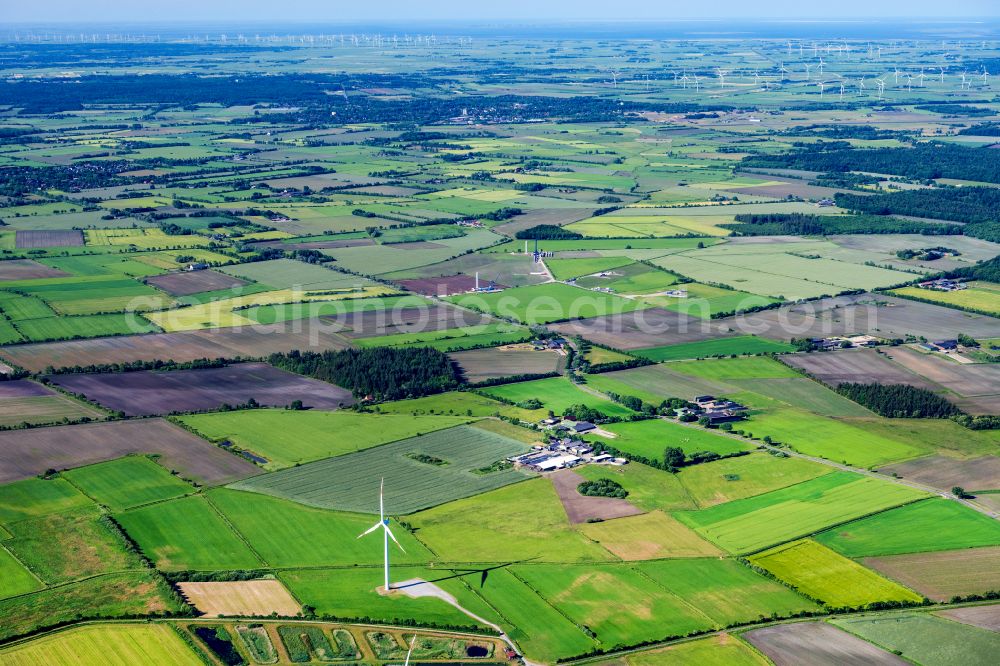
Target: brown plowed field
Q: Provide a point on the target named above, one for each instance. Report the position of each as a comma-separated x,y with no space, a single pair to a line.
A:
436,317
241,598
818,644
944,574
856,365
194,282
446,286
643,328
945,473
850,315
149,393
27,453
26,239
978,384
246,342
26,269
481,364
580,508
987,617
23,388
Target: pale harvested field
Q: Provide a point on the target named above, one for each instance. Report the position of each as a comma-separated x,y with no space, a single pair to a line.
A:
817,644
944,574
643,328
945,473
231,343
579,508
241,598
650,536
987,617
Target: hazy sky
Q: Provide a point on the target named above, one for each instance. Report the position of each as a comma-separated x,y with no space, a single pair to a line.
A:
473,10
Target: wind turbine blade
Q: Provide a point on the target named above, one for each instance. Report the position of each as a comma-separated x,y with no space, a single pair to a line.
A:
392,536
410,651
381,500
370,529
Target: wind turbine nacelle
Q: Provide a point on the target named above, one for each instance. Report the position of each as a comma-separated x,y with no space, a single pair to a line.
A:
385,521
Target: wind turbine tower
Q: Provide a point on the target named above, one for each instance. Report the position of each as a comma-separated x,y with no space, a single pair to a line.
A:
387,534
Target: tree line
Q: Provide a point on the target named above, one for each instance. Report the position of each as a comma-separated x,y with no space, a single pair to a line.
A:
975,206
801,224
378,373
899,400
924,161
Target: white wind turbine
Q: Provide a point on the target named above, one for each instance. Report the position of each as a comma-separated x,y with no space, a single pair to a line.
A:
808,71
410,651
387,534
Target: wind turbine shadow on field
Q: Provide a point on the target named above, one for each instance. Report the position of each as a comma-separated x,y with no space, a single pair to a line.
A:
460,573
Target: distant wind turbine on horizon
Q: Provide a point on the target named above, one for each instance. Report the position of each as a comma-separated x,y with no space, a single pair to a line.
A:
387,534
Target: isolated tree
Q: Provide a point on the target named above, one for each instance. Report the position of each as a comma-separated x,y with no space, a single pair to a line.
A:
673,457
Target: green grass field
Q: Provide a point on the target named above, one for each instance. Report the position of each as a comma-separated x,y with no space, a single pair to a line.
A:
287,438
16,578
546,303
288,534
104,645
187,533
740,345
113,595
535,527
800,392
983,296
840,441
556,394
632,279
648,536
822,574
537,627
721,650
723,589
127,482
62,547
567,269
34,497
734,368
458,403
351,593
754,523
925,639
648,488
935,524
351,482
649,438
745,476
616,602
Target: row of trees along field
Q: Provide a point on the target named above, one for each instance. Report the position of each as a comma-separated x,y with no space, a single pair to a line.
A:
975,206
898,400
381,373
924,161
801,224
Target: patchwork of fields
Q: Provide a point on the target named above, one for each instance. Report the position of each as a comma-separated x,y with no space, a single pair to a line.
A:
243,290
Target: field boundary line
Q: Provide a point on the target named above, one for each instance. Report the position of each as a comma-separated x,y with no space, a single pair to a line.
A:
558,610
681,599
17,559
238,534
